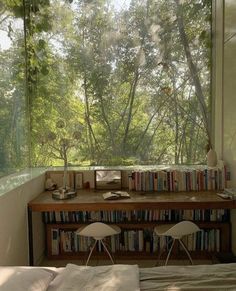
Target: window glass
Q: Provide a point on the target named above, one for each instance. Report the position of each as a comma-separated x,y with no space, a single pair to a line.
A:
13,127
109,82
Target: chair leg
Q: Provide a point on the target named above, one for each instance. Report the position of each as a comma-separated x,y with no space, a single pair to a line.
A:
106,249
110,250
159,256
186,250
161,252
91,252
170,251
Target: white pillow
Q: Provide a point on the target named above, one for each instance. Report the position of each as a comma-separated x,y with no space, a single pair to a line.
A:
25,278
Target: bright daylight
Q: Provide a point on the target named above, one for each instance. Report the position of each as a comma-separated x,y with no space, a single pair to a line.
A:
129,80
117,145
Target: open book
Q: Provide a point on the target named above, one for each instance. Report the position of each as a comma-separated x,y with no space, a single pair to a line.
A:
114,195
228,193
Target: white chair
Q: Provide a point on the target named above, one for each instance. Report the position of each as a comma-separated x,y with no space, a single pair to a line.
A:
177,231
98,231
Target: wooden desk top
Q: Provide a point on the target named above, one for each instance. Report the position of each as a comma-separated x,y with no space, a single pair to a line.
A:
92,200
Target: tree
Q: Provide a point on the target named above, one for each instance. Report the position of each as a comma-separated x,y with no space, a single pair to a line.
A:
137,77
13,130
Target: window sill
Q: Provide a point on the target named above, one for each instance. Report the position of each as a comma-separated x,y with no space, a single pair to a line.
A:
15,180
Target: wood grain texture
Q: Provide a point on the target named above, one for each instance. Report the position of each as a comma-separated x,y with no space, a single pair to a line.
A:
91,200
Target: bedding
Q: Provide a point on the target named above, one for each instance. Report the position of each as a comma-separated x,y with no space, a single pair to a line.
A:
119,277
199,277
102,278
25,278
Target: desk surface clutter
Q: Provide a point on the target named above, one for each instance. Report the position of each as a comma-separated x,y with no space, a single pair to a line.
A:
92,200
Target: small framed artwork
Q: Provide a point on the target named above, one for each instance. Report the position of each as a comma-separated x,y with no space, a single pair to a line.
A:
78,180
107,179
57,178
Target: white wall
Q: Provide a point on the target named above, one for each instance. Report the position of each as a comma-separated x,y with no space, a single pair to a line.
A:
14,221
13,226
229,105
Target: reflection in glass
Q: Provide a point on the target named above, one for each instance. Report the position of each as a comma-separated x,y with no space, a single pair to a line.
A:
108,179
14,154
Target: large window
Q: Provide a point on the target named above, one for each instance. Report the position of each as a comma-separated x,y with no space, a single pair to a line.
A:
119,82
13,110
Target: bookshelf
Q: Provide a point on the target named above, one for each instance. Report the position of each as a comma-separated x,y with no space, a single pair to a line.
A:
136,216
204,179
212,239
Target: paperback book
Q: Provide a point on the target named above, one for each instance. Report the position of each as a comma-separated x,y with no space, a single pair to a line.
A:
116,195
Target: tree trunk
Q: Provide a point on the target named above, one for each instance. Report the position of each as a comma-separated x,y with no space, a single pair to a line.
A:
192,68
106,121
91,134
131,98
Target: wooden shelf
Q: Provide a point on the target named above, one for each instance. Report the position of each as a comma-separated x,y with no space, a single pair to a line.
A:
224,227
197,255
136,225
93,201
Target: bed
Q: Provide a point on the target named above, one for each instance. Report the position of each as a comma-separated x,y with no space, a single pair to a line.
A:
118,278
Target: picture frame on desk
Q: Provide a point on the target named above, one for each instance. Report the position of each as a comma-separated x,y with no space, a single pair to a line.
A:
78,180
107,179
57,178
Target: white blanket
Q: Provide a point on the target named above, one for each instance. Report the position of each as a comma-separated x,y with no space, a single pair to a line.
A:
219,277
101,278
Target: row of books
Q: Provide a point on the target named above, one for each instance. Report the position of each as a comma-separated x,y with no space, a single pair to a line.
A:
178,180
119,216
134,241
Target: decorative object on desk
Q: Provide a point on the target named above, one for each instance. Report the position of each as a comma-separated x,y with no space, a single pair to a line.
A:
224,195
50,185
61,143
115,195
78,180
211,158
62,194
57,177
231,192
107,179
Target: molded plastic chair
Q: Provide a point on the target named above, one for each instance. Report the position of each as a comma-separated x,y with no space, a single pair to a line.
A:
98,231
177,231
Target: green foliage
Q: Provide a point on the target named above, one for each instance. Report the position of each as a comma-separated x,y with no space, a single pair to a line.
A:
122,73
13,129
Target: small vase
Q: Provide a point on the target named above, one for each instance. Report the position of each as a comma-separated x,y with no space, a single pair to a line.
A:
211,158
